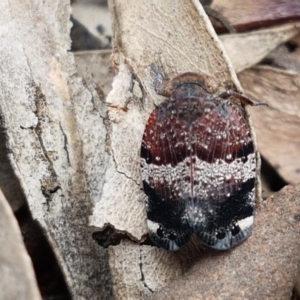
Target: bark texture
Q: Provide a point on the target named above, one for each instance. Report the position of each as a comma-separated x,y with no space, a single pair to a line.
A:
47,113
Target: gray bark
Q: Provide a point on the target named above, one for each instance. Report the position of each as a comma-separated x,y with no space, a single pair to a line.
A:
43,106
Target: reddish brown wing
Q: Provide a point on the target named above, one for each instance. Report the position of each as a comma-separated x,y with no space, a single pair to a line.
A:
198,160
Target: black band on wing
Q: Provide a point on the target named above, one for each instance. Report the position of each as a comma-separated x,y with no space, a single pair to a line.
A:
220,229
166,212
168,238
170,233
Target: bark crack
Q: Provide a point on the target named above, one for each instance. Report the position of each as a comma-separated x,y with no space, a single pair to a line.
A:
40,104
128,177
142,274
120,172
49,183
90,85
65,143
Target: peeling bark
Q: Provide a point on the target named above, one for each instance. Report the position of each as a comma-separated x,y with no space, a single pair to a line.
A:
43,106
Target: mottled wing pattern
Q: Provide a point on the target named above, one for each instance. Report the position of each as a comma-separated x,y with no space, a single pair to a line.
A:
164,209
198,170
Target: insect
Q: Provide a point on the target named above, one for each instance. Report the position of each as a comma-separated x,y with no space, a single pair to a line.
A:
198,165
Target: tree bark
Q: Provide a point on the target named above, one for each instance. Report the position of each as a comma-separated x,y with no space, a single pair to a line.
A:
47,113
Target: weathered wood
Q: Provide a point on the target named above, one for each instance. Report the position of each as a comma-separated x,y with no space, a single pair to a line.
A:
247,49
277,126
47,114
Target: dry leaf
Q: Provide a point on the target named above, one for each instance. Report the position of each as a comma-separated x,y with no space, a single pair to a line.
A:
247,49
254,14
16,272
287,56
276,126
